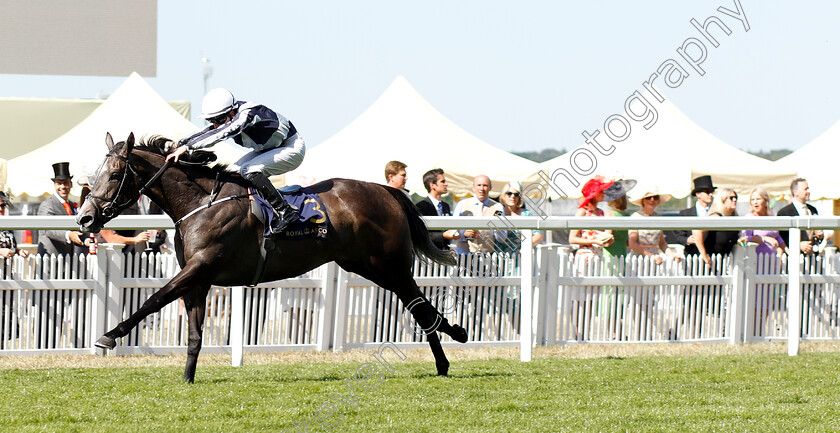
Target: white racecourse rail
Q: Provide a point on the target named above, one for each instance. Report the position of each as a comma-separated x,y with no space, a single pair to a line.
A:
62,304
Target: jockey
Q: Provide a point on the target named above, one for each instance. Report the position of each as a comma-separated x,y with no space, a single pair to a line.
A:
277,147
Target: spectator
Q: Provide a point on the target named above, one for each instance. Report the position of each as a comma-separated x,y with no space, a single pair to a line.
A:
8,244
649,242
769,241
511,199
718,241
478,241
703,191
134,240
435,183
59,241
591,242
800,194
616,196
395,176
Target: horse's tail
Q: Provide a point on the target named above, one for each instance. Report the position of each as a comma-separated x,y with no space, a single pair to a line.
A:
422,244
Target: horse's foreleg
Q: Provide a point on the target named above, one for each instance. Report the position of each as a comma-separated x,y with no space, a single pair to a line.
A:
196,305
174,289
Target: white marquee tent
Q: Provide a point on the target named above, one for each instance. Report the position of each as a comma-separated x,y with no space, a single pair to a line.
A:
816,162
669,154
402,126
133,107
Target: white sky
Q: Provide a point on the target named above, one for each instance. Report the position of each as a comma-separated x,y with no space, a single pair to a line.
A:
521,75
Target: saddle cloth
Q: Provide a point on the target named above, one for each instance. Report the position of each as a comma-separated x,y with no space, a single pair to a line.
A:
313,219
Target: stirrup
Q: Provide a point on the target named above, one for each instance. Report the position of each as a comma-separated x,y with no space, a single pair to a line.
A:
280,222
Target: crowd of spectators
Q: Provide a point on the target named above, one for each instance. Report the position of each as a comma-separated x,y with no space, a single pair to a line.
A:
710,202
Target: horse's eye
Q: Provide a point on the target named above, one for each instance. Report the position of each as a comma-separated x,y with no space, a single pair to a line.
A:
114,177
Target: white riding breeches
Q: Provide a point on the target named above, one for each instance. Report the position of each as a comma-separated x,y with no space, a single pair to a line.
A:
272,162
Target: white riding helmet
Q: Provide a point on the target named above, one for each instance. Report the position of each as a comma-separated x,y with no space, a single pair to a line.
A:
216,102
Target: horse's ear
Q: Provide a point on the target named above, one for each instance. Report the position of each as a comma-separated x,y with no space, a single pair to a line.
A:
129,143
109,141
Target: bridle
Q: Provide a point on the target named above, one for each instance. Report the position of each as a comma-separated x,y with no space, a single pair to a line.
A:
113,209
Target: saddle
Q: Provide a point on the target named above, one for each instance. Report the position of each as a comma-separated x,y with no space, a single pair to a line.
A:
313,219
312,223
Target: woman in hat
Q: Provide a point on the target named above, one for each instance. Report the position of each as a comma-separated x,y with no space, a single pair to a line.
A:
616,198
511,199
718,241
649,242
592,242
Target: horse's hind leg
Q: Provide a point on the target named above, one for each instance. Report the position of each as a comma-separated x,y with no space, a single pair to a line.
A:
429,321
196,304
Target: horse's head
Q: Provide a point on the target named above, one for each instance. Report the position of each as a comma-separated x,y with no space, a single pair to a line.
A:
114,188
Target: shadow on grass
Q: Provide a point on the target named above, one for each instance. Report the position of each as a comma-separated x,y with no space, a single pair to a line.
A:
457,376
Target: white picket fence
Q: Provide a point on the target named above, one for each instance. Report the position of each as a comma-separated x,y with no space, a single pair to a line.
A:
62,304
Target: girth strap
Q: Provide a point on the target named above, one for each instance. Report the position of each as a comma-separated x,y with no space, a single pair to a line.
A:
265,247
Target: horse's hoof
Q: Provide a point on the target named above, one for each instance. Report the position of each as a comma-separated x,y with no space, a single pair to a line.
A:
459,334
443,368
105,342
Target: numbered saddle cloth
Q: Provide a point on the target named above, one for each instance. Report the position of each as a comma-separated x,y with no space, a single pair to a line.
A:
313,219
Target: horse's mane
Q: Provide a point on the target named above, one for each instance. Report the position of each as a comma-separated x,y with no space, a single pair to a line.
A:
163,145
156,143
195,162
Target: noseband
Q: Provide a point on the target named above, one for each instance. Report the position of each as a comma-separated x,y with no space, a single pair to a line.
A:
113,209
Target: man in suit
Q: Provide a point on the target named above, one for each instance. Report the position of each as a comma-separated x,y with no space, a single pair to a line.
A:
704,192
435,183
800,194
59,241
480,204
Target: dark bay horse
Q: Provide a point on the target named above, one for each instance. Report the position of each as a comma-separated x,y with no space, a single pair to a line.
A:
374,231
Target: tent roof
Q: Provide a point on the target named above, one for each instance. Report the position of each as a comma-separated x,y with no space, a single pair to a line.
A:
402,126
33,122
669,154
133,107
814,162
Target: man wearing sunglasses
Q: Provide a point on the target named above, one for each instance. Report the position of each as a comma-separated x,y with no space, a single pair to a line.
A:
277,146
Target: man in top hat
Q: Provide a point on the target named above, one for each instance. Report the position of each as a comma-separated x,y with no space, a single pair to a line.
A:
703,191
59,241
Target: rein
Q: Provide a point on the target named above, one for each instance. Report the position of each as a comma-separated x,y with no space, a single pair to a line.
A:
113,208
208,205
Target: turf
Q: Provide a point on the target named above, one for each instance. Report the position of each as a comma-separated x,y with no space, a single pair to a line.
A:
750,392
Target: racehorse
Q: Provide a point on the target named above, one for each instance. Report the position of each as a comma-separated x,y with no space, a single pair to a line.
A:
374,231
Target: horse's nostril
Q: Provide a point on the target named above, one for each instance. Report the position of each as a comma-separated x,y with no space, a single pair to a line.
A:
85,220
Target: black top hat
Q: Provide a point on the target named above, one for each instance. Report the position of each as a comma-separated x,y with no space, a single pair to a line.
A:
703,183
618,189
62,171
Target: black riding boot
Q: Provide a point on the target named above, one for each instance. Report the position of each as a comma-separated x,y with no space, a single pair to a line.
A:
285,213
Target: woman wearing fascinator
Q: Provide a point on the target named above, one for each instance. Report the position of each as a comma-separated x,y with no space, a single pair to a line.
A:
616,198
